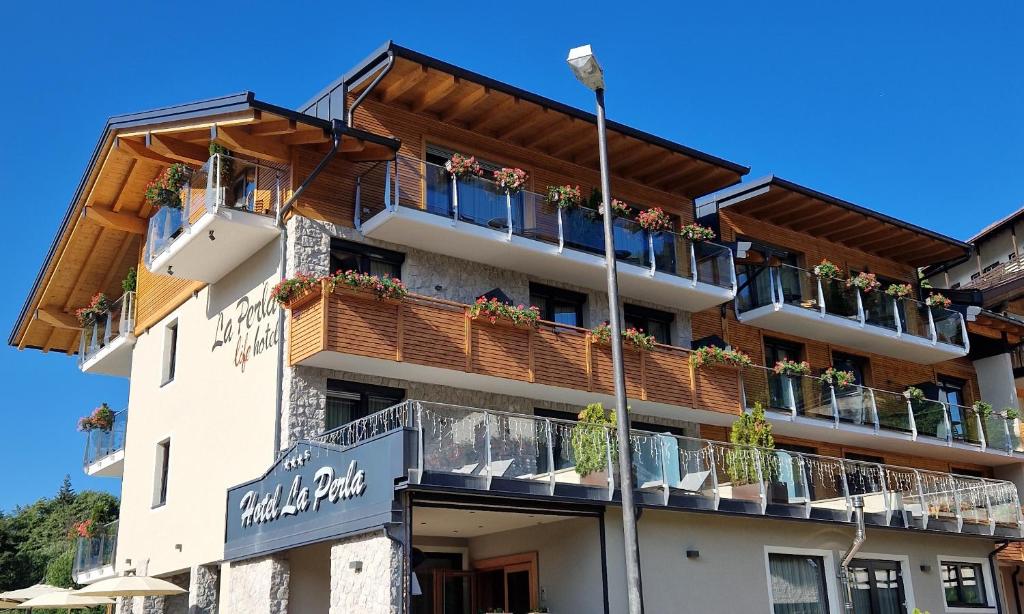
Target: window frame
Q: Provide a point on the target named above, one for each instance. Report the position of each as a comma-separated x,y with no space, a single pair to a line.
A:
169,359
985,578
340,387
554,293
366,254
161,473
906,577
649,314
833,605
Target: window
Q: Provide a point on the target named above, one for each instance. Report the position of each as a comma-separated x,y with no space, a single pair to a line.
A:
479,202
351,256
163,463
170,361
798,584
964,584
651,321
877,587
849,362
244,189
784,394
990,267
951,392
348,401
558,305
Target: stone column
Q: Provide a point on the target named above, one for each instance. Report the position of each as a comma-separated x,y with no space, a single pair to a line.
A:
259,585
124,605
366,575
204,589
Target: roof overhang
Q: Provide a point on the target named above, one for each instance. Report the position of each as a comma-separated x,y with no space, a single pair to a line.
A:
995,325
468,100
788,205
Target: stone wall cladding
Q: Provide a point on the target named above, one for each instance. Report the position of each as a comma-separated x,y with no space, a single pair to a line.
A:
204,589
259,585
376,589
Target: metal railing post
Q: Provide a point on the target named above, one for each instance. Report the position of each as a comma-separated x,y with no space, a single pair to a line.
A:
804,477
931,325
956,504
693,262
398,187
911,421
487,450
846,490
924,504
551,457
1006,435
732,272
947,422
357,216
714,476
790,395
982,440
988,510
883,475
650,255
387,187
835,405
561,232
897,318
860,308
419,436
608,460
874,409
760,478
821,298
455,201
508,213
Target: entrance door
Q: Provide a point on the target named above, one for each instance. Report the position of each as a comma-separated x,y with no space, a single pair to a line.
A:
507,583
454,592
877,587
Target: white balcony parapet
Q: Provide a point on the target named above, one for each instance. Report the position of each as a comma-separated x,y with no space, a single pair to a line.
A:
104,450
795,301
470,218
230,210
105,346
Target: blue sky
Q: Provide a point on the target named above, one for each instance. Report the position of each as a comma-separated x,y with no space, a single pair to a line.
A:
910,108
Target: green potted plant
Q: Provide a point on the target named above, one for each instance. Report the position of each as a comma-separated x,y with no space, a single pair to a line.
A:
94,312
1011,413
287,291
751,436
130,281
226,167
697,233
638,339
165,189
589,439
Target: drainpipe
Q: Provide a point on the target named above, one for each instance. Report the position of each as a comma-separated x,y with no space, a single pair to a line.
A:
858,541
404,586
350,113
1016,593
995,577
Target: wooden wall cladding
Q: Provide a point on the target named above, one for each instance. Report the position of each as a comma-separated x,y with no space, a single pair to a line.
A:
158,295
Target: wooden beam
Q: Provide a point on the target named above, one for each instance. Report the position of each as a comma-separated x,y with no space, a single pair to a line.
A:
668,166
115,270
125,222
54,316
683,176
433,94
139,151
569,150
495,114
351,144
543,119
650,168
464,104
273,127
306,137
175,149
402,84
118,200
240,141
553,133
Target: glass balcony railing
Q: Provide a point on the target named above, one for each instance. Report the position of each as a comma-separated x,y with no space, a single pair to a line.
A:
118,321
96,552
478,201
100,444
485,449
223,182
787,285
808,396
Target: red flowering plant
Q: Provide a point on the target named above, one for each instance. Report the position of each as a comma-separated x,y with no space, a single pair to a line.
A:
654,220
865,282
900,291
621,208
937,300
287,290
511,180
827,270
837,378
602,333
101,419
84,528
460,166
98,307
696,232
165,189
712,355
565,196
493,310
384,287
791,367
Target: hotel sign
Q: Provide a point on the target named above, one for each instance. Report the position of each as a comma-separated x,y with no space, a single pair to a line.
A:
313,493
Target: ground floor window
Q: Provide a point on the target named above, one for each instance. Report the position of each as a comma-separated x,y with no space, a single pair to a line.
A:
877,587
798,584
964,584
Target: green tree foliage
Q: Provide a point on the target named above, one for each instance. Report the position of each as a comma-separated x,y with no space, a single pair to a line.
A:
36,540
752,435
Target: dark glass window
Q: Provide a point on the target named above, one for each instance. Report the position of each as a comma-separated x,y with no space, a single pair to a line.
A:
780,388
651,321
348,401
877,587
558,305
351,256
951,392
964,584
856,364
861,479
163,459
798,584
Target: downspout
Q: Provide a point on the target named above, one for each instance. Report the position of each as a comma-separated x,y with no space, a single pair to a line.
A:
405,585
351,112
1016,593
995,577
858,541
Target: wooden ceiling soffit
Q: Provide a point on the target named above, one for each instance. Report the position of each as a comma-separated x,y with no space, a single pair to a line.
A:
125,222
237,139
435,93
495,114
175,149
274,127
464,103
194,128
139,151
402,84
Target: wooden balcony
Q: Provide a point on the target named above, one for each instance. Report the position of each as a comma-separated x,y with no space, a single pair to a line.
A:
436,341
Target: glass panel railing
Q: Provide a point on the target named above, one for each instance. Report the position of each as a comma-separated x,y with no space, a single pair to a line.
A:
581,453
893,413
879,310
797,287
826,484
1015,440
914,316
582,230
964,424
997,432
454,440
785,478
96,552
972,495
738,472
689,466
117,321
939,498
100,443
948,328
649,455
930,418
1004,503
166,225
868,481
840,299
539,218
518,447
714,263
854,404
904,491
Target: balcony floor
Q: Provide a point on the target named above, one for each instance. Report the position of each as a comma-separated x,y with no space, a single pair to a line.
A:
468,241
95,574
109,466
830,328
236,235
115,358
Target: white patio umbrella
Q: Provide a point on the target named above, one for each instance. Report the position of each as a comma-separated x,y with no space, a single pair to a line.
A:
64,600
35,590
131,586
7,604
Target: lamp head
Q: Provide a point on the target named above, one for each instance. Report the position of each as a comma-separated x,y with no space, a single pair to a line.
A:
584,65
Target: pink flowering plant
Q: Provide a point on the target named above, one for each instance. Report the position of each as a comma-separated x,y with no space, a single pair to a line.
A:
712,355
460,166
791,367
565,196
101,419
900,290
287,290
165,189
98,307
937,300
654,220
602,334
837,378
510,180
865,282
696,232
384,287
827,270
621,208
493,310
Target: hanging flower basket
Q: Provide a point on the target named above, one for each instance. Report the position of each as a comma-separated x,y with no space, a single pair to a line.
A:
289,290
792,367
696,232
101,419
865,282
460,166
900,291
636,338
937,300
92,313
165,190
838,379
510,180
654,220
565,196
712,355
827,270
384,288
495,311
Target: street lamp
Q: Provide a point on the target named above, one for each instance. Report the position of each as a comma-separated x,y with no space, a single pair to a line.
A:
584,65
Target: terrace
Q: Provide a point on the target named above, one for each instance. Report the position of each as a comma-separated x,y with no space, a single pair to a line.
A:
94,556
105,346
104,449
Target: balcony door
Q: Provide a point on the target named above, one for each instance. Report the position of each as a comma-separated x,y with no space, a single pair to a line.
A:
853,404
877,587
507,583
785,393
951,392
480,202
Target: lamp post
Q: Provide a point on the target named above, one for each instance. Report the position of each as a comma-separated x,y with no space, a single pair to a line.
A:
584,65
